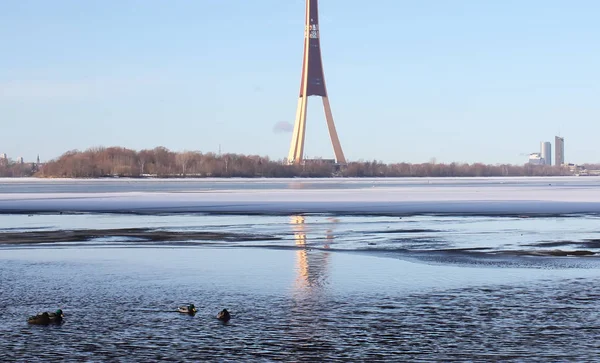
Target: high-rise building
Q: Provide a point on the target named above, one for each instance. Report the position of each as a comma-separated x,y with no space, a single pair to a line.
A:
312,84
536,159
546,152
559,150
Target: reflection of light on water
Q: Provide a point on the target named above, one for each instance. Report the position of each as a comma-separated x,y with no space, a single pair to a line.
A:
299,230
301,258
311,264
329,233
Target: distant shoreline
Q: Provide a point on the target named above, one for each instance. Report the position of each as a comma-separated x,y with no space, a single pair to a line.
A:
191,177
160,162
179,177
213,178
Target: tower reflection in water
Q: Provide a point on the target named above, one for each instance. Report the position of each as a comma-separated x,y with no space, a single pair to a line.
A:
310,300
312,258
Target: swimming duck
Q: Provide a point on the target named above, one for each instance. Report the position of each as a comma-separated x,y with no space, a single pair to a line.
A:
46,318
223,315
56,316
190,309
39,319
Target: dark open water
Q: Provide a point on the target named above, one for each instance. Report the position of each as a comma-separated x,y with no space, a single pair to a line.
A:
294,306
324,288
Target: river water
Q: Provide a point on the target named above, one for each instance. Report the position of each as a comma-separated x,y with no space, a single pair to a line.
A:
302,287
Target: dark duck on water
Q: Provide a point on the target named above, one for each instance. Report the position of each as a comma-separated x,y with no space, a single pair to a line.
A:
223,315
190,309
46,318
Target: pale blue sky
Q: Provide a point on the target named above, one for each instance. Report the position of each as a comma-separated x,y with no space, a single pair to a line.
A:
462,80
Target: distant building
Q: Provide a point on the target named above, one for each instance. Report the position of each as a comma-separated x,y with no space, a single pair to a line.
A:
559,150
20,160
536,159
319,161
3,159
546,152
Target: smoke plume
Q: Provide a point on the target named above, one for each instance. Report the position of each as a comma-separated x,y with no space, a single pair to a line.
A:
283,127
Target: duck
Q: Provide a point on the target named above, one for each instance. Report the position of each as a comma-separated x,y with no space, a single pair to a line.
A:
223,315
190,309
46,318
39,319
56,316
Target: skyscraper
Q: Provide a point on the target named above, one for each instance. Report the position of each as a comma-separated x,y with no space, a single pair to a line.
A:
312,84
536,159
546,152
559,150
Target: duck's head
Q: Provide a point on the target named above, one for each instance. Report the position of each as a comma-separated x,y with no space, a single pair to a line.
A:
59,312
192,308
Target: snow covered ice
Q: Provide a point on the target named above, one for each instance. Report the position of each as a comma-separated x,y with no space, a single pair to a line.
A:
471,196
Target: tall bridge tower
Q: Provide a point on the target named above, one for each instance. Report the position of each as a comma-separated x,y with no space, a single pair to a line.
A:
312,84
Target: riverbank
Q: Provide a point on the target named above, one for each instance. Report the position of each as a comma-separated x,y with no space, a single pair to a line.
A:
162,162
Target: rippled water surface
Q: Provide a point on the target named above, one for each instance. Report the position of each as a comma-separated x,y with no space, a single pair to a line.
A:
300,287
296,305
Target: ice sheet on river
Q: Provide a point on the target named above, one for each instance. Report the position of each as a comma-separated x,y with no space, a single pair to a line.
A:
397,200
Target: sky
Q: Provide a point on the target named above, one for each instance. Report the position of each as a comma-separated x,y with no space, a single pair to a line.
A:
408,81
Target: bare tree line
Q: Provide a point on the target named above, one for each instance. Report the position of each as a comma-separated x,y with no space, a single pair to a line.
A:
161,162
16,170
